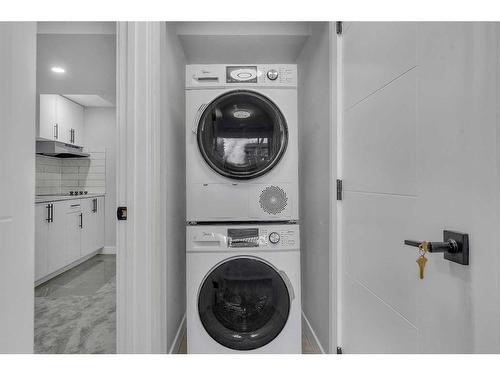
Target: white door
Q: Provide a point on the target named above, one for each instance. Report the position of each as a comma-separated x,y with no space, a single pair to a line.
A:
17,185
420,155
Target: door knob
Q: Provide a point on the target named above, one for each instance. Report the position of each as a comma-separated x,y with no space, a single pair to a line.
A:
455,246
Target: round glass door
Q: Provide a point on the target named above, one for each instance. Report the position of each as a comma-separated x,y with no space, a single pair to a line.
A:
243,304
242,134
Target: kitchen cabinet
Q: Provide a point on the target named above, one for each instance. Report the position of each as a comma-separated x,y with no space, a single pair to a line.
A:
42,226
47,123
56,244
60,119
48,250
93,225
65,232
73,233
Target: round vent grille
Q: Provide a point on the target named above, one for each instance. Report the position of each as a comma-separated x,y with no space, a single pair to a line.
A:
273,200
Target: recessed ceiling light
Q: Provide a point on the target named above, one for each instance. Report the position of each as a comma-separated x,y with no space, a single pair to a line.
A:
58,69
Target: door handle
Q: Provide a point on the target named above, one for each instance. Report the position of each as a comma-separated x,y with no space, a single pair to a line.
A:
56,131
81,220
48,214
435,247
455,246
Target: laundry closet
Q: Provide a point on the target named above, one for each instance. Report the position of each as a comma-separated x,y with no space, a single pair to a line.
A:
271,207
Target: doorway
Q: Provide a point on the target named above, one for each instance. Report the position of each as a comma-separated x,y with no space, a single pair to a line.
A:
75,191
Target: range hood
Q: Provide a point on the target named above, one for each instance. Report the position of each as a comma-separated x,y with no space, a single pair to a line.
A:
59,150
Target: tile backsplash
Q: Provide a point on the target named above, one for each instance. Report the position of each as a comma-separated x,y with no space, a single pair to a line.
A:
48,175
60,176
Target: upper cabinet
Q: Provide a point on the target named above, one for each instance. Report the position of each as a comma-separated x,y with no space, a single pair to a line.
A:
60,120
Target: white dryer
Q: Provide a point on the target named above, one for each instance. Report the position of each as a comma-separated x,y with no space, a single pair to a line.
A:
243,289
241,143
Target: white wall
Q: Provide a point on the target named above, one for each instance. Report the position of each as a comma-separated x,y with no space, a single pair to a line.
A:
315,172
17,185
173,180
99,135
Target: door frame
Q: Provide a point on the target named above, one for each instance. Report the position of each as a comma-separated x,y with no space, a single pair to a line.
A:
336,208
141,309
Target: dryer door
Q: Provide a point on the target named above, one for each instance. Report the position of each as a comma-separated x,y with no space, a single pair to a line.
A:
242,134
244,303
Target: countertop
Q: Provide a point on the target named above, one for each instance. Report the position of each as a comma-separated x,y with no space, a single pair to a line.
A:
55,198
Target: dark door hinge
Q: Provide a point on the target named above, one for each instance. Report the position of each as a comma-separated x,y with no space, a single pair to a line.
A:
338,27
339,190
339,350
121,213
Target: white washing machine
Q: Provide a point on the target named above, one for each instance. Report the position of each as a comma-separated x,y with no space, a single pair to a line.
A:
241,143
243,289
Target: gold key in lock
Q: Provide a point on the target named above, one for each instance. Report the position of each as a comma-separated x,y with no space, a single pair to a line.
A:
421,260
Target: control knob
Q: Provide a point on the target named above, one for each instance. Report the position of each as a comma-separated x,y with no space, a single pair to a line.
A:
272,74
274,238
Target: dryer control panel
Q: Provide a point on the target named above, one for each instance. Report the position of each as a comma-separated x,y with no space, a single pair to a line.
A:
242,75
240,237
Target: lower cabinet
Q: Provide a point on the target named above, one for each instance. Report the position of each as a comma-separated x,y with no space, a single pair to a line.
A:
93,225
42,227
66,231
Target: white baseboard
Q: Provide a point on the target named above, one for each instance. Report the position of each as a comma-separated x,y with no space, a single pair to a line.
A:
311,335
66,268
108,250
181,332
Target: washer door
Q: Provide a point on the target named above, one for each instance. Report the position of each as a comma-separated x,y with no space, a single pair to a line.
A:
242,134
243,303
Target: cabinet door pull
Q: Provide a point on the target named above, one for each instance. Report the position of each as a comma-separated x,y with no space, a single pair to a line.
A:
48,214
81,220
56,131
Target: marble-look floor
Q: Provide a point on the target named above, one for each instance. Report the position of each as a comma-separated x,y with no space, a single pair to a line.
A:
75,312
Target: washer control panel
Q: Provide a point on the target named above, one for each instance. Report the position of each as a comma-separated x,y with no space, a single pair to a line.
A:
236,75
263,237
242,237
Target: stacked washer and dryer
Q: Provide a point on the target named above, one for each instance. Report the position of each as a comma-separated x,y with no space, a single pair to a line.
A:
243,243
